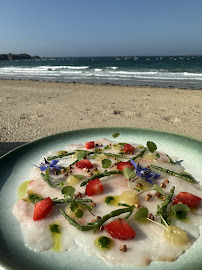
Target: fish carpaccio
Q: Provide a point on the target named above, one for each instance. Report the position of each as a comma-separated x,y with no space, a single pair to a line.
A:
127,203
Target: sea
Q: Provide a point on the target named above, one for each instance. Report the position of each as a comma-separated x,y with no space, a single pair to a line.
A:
155,71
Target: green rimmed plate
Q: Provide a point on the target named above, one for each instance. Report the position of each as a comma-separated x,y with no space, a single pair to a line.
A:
16,165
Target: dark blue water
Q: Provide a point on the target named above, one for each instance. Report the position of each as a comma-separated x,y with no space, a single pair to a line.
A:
166,71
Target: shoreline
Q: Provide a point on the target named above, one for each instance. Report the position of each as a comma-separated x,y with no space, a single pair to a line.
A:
110,82
33,109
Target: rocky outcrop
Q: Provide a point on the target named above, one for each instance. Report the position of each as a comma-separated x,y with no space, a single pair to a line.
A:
21,56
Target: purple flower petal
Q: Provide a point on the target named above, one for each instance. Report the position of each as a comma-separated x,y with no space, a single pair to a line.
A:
145,173
54,162
52,165
134,164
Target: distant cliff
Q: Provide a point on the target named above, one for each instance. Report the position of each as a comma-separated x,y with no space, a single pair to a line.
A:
21,56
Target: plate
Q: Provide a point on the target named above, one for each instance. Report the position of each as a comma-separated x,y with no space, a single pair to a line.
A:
16,165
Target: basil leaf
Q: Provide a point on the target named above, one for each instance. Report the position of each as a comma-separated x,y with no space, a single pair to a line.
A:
180,210
151,146
68,191
158,189
129,174
106,163
115,135
141,214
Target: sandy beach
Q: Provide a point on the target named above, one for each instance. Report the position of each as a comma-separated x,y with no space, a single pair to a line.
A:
31,109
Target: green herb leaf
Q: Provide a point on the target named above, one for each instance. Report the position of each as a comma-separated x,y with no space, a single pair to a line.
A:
157,155
151,146
79,213
106,163
104,242
74,206
54,228
162,210
158,189
68,191
109,199
180,210
115,135
80,154
141,214
129,174
88,207
106,147
34,198
94,156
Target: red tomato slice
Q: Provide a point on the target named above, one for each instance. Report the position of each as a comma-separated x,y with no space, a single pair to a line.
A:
94,187
122,165
187,198
42,208
89,145
84,163
120,229
128,148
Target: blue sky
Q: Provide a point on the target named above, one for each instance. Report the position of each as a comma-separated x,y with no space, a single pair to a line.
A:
101,28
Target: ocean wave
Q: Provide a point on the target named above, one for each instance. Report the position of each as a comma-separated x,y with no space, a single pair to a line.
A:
111,67
85,72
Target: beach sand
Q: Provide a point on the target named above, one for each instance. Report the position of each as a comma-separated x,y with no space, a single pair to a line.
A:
31,109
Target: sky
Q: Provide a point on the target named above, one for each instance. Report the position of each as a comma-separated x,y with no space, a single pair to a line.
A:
60,28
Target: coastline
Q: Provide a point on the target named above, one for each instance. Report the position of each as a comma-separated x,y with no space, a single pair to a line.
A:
32,109
136,83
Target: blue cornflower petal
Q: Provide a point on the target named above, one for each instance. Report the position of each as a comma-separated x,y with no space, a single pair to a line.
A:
42,167
52,165
54,162
145,173
134,164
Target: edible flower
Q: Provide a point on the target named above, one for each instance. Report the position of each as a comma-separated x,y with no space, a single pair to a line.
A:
145,173
51,165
